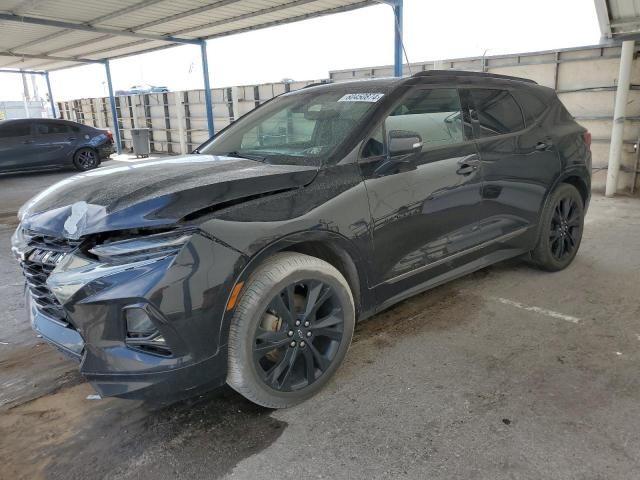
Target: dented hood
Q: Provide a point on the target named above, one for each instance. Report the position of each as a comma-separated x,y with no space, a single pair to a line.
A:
153,193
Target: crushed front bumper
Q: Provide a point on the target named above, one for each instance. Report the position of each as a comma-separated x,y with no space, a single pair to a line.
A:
187,294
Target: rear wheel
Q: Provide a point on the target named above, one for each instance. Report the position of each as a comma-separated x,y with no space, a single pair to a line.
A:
86,159
290,331
561,229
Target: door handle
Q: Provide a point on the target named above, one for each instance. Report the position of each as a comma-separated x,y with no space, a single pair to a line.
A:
468,165
71,139
27,141
543,146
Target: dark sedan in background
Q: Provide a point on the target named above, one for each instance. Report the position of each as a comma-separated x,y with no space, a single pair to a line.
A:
48,144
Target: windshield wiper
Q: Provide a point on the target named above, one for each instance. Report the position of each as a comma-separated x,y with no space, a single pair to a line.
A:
248,156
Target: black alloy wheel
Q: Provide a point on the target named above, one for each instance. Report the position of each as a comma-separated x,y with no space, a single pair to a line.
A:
290,331
566,226
298,336
561,226
85,159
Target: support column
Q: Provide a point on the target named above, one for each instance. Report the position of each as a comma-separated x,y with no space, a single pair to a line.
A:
398,44
617,131
207,87
53,104
180,114
114,111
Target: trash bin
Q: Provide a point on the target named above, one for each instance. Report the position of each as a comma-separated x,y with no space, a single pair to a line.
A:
141,143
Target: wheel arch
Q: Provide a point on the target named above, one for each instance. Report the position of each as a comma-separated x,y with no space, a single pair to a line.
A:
331,247
572,178
575,177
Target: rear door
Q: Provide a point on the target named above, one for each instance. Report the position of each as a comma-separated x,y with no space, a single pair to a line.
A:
519,162
425,205
54,142
17,148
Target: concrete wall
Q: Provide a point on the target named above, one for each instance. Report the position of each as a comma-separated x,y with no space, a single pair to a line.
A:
585,79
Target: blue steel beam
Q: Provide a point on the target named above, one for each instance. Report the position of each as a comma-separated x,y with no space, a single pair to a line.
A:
398,47
90,28
30,72
53,104
114,111
51,58
207,87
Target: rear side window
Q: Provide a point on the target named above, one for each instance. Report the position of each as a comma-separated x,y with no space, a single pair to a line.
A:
16,130
51,128
434,114
497,112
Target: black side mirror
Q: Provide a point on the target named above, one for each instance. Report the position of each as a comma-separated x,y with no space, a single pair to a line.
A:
404,142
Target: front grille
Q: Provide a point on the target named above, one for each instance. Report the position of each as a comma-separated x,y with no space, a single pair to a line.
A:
45,252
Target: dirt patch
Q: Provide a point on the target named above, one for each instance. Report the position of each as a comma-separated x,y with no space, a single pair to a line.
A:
64,435
31,371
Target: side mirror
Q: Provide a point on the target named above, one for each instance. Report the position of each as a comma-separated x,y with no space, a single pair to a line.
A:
404,142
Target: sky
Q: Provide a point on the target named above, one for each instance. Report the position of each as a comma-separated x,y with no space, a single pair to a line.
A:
433,30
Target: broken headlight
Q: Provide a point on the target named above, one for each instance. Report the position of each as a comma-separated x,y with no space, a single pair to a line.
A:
141,248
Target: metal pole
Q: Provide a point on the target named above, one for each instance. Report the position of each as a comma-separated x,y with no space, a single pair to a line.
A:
617,131
114,111
53,104
207,87
398,47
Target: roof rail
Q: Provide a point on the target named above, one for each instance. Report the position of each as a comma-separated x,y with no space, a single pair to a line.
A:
467,73
317,84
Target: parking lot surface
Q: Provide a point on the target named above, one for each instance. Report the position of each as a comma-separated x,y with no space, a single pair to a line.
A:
509,373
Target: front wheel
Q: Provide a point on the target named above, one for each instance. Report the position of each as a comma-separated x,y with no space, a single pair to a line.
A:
86,159
561,228
290,331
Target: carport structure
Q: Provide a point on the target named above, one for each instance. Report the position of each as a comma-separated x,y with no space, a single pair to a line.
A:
40,36
619,20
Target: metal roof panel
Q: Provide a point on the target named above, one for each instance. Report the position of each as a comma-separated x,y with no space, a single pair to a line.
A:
184,18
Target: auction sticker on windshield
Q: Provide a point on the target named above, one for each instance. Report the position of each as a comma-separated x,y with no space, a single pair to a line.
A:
362,97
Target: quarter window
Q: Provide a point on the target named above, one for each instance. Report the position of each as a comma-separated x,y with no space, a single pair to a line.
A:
434,114
497,112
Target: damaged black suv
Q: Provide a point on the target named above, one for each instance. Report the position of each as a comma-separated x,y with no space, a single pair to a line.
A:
249,261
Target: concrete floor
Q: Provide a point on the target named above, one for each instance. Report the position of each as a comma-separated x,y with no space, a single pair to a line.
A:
509,373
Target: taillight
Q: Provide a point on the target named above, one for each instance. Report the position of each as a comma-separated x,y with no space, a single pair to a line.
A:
587,139
109,135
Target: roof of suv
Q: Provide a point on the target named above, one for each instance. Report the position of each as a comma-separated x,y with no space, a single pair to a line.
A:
431,76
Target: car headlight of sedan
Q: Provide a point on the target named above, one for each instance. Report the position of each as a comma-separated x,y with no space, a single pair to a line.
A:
76,270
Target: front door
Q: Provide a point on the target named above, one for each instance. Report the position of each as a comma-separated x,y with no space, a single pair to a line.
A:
425,205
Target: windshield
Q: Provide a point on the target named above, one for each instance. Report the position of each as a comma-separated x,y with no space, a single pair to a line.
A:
302,128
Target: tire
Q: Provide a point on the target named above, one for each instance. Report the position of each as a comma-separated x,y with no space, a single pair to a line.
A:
86,159
561,227
278,360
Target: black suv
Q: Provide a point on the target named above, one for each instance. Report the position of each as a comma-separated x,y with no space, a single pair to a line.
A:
250,261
